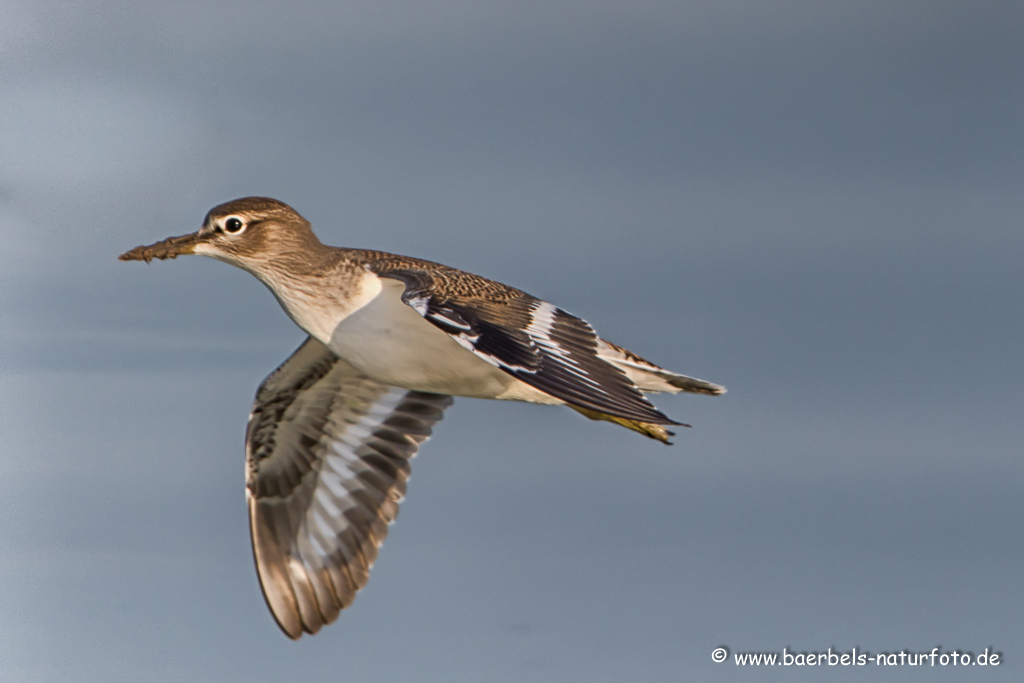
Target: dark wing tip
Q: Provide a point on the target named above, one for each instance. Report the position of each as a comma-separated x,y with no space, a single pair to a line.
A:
573,371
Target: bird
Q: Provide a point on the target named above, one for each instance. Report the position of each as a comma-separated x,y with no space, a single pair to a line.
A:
391,339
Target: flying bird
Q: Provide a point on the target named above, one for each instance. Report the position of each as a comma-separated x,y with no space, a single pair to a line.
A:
391,340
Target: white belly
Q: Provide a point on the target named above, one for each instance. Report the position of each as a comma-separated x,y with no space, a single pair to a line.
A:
390,342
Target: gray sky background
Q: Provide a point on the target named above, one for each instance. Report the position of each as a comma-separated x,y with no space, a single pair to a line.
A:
817,204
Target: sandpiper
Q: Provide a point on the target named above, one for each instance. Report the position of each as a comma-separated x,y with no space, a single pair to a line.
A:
391,340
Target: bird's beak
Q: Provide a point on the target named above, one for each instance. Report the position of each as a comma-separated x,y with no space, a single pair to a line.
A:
172,247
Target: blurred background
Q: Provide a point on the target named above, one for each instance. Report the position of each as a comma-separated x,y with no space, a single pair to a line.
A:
817,204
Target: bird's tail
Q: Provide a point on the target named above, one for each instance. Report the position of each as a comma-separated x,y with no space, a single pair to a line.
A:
649,377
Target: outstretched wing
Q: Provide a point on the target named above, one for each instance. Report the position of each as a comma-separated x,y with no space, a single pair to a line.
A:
532,340
327,458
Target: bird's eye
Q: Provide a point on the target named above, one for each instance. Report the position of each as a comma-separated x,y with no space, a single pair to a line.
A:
233,225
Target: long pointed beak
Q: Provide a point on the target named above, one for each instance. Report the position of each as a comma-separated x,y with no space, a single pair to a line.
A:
172,247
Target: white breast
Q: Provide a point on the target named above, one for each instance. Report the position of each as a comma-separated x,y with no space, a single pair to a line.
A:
390,342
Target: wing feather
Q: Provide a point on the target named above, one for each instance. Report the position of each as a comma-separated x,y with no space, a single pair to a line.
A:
327,459
530,339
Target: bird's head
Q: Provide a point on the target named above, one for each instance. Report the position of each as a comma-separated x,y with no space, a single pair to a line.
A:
247,233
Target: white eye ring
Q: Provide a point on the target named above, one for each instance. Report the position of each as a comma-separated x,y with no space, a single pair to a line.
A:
233,225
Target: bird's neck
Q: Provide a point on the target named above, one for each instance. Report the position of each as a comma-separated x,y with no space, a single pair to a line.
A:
317,294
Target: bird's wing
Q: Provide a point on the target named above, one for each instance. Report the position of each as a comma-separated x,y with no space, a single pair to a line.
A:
327,458
532,340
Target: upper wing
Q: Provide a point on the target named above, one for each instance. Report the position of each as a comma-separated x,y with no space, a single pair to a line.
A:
327,458
532,340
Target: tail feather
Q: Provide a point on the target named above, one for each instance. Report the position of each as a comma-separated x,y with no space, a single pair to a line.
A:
649,377
692,384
